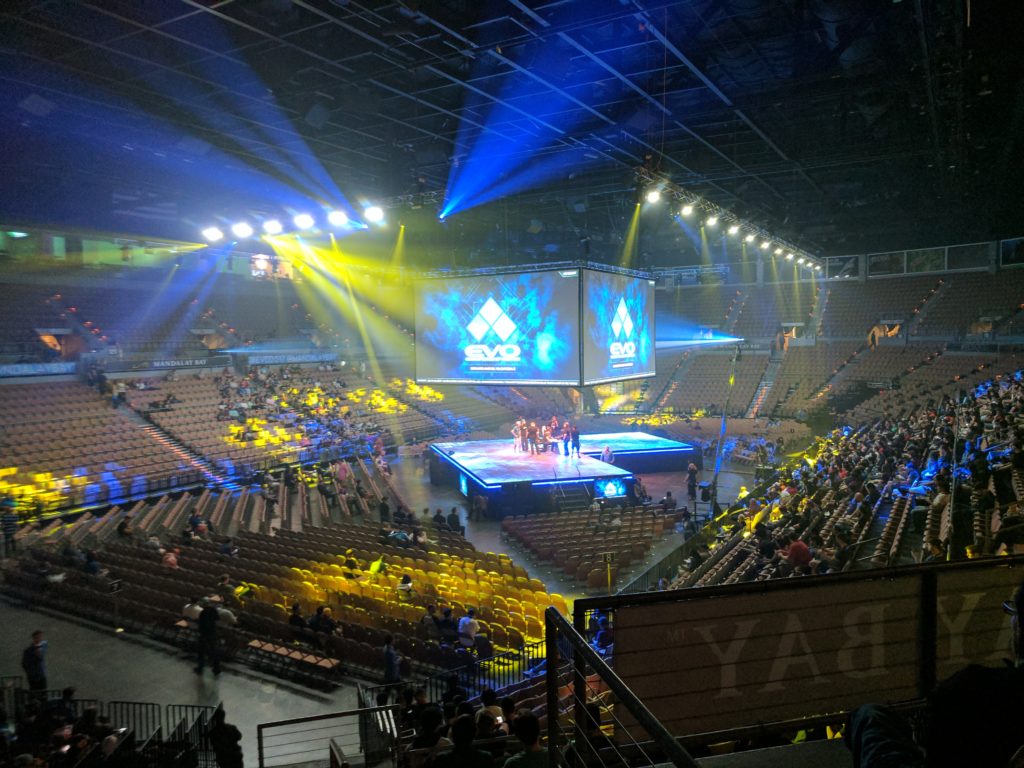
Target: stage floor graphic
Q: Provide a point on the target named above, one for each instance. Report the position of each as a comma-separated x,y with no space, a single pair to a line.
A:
492,463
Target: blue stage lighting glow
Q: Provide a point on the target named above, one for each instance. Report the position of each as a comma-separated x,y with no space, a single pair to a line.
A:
337,218
212,234
303,221
374,214
241,230
272,227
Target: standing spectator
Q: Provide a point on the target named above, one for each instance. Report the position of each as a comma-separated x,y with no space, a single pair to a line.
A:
208,619
574,439
225,740
9,522
392,663
691,483
528,731
33,661
385,511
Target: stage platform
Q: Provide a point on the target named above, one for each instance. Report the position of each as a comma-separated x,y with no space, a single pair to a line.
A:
493,468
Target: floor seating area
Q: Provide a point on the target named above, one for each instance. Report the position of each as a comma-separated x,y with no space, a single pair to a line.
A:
556,539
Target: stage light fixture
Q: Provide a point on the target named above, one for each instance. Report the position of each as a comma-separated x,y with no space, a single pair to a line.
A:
818,267
748,239
777,251
374,214
711,221
304,221
733,229
241,230
272,227
800,260
337,218
653,196
212,234
765,245
789,255
687,209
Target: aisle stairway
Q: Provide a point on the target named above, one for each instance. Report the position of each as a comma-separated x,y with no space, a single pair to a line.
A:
764,387
210,473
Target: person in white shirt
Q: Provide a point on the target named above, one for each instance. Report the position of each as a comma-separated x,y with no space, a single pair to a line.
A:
468,629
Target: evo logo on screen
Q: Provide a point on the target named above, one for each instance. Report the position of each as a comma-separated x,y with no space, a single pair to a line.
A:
491,321
622,326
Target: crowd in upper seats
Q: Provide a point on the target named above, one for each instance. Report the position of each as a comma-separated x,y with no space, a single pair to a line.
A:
807,521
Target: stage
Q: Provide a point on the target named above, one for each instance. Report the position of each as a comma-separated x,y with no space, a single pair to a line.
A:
494,469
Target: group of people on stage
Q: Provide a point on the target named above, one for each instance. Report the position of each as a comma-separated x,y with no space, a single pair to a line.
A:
528,437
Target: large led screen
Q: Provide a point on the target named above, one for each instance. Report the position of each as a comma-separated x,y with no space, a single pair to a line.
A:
618,327
499,329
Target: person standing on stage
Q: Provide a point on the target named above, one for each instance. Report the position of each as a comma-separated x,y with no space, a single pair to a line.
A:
566,436
515,437
524,438
531,436
574,437
545,439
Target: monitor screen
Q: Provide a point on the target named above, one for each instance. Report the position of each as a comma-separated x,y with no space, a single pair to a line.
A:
517,328
609,488
618,327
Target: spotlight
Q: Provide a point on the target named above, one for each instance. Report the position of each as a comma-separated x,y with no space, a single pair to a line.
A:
212,234
818,267
789,256
272,227
17,235
778,251
653,196
337,218
374,214
733,229
304,221
711,221
764,245
800,260
748,239
687,210
241,230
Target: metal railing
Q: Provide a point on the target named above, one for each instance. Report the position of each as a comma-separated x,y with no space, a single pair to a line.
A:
660,746
495,672
359,734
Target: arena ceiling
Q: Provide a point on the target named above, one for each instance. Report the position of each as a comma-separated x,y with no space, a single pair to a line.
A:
842,124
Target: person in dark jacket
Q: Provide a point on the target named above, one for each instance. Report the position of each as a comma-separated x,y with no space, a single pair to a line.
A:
208,638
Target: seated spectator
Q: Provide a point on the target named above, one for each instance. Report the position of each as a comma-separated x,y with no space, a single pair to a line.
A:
489,703
428,742
508,714
192,610
667,502
464,754
605,637
405,590
468,629
797,554
936,552
454,522
447,627
295,619
124,528
528,732
170,558
92,565
439,519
